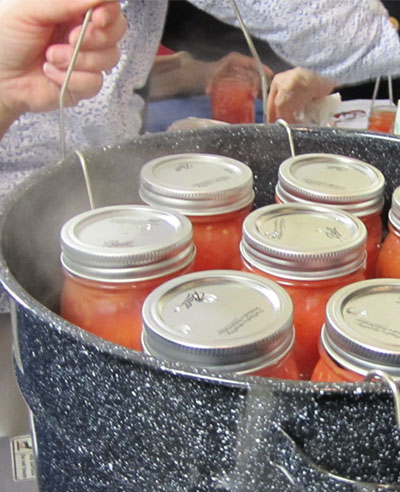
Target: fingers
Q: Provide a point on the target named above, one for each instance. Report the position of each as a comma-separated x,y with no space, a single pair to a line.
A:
87,61
103,31
82,85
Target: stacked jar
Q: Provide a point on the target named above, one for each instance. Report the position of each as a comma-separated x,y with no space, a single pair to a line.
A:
361,332
389,256
223,321
214,192
311,251
112,258
343,182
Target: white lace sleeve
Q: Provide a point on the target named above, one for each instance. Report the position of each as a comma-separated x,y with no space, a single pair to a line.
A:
345,40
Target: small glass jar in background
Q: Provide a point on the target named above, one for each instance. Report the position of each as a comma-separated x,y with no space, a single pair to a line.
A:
343,182
311,251
361,332
214,192
388,264
224,321
381,118
233,94
112,258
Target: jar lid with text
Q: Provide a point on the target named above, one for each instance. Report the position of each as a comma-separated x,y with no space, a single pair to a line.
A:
348,183
126,243
223,320
361,330
197,184
303,241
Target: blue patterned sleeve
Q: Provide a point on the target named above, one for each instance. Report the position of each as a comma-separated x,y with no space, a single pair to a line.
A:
345,40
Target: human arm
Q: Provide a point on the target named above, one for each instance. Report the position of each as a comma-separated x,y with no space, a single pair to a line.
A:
292,90
37,41
344,40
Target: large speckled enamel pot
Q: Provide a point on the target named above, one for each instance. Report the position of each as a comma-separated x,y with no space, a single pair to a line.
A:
109,419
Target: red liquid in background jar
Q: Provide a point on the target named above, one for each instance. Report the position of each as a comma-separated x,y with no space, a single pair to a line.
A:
217,239
113,258
328,371
382,119
233,100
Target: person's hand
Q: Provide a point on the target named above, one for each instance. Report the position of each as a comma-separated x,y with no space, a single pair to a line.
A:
236,62
37,41
292,90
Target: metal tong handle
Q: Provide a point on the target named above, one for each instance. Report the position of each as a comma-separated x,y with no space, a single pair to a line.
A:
378,374
264,81
67,78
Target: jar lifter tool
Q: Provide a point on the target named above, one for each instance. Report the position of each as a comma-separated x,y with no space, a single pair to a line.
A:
264,81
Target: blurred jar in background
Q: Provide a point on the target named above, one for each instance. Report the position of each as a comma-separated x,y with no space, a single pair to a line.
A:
311,251
233,93
112,258
342,182
388,264
215,192
224,321
381,119
361,332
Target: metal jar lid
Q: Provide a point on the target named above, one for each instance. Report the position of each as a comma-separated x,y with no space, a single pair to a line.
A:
394,212
126,243
223,320
197,184
351,184
361,330
303,241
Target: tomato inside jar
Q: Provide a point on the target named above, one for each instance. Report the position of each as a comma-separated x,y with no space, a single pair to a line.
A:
223,321
341,182
113,257
388,264
311,251
360,333
233,99
215,192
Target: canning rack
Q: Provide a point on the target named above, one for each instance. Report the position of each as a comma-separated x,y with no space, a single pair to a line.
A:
372,375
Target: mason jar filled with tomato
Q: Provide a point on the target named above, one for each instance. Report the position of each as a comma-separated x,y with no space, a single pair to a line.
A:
388,264
311,251
112,258
361,332
224,321
343,182
215,192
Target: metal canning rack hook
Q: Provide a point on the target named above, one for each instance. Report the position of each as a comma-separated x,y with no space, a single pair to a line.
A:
290,135
67,78
264,81
382,375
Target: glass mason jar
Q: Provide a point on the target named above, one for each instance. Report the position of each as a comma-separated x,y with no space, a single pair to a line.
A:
233,95
311,251
361,332
112,258
214,192
388,264
343,182
224,321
